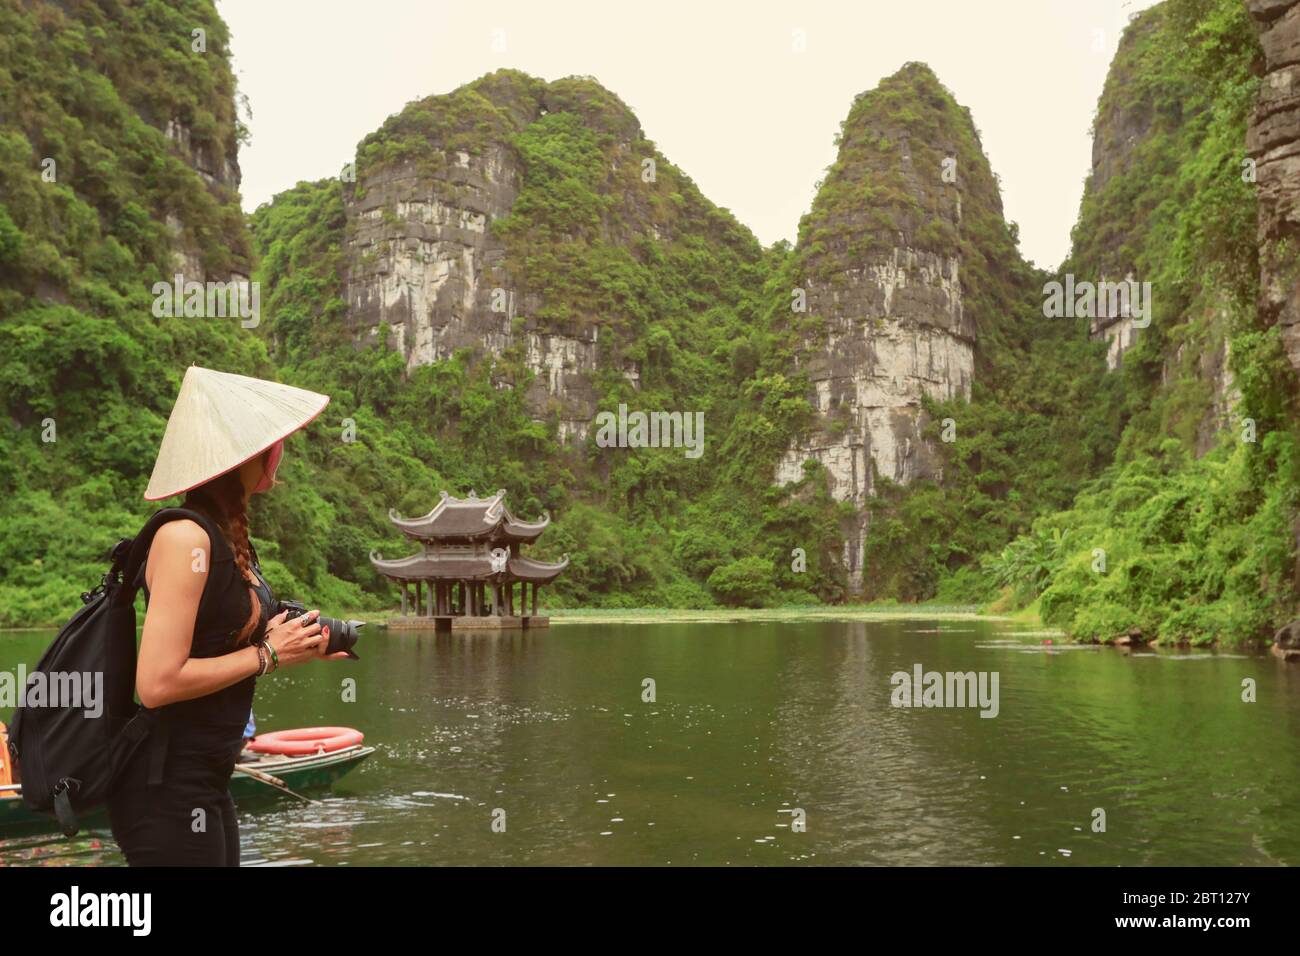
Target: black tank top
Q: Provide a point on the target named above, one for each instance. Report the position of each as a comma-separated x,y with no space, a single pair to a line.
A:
214,724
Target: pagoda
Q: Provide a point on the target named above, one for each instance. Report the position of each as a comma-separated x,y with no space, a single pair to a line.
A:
469,565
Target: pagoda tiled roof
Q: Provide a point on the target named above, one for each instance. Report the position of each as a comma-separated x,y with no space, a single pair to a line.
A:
471,518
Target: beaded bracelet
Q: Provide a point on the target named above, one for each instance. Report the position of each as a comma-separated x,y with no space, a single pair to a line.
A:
262,661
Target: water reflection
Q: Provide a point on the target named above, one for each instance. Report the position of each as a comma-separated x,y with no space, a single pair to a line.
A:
754,722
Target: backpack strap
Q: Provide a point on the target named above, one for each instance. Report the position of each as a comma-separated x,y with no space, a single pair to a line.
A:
158,744
133,567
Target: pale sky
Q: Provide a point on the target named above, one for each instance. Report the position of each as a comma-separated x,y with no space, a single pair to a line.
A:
718,86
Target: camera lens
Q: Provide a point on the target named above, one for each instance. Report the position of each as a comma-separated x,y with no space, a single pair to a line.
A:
343,634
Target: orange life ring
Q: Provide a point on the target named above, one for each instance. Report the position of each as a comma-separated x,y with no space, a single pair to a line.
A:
306,740
7,777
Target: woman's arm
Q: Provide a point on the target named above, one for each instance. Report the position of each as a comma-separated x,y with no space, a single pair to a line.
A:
165,672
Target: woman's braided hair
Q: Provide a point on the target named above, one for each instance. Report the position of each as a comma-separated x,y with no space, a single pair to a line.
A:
224,500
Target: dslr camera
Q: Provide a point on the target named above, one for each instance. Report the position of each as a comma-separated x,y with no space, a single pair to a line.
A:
343,634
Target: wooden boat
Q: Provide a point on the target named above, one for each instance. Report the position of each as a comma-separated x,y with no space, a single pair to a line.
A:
311,772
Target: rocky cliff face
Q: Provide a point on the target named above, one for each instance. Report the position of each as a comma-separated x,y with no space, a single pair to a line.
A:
422,259
881,260
147,179
1127,115
217,164
1151,117
442,249
1273,142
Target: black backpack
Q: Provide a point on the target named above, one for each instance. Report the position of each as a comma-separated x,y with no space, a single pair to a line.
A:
70,761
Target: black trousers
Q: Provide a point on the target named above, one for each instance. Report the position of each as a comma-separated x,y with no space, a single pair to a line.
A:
186,819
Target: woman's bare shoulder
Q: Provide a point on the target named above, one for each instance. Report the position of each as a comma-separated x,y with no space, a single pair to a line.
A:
178,545
180,535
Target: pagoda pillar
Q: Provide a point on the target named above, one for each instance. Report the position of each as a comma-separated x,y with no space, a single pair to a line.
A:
403,599
534,599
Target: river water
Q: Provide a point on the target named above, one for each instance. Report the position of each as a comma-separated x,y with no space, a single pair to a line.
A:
755,725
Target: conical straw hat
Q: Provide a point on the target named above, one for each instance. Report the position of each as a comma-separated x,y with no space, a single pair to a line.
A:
220,421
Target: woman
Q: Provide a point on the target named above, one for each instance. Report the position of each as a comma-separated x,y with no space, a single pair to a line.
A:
207,634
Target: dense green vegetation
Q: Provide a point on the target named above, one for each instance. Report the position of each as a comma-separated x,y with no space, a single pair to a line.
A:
96,199
1187,535
1042,415
1115,500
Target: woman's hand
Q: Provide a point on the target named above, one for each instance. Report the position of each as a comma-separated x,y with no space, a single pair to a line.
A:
298,640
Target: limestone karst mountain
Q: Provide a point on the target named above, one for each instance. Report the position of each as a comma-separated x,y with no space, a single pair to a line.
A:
533,224
1151,118
903,261
1189,534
